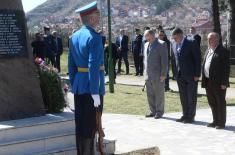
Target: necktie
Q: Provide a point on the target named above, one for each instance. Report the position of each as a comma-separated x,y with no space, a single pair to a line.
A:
148,49
178,48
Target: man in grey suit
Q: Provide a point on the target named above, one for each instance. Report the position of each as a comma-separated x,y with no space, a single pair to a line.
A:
155,72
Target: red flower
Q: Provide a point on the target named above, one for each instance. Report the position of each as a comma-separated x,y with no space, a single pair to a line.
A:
66,88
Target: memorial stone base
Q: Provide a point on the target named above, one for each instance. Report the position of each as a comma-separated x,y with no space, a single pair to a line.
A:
50,134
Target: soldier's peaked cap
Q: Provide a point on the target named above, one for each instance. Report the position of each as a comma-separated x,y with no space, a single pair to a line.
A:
46,28
88,9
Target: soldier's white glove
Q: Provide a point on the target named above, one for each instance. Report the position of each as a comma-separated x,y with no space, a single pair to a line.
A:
96,99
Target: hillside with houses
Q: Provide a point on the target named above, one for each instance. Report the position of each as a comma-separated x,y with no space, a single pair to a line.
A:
127,14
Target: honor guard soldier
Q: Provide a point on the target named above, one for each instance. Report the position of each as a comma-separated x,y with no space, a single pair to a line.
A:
86,73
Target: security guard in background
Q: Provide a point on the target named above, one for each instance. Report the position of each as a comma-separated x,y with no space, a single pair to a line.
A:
86,72
136,49
50,46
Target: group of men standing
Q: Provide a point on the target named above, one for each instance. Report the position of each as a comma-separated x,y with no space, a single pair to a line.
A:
48,46
186,56
86,73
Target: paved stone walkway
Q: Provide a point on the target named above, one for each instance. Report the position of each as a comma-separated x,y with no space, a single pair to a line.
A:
137,132
172,138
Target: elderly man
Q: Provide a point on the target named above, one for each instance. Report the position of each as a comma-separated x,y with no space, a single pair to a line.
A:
215,78
155,72
188,70
86,72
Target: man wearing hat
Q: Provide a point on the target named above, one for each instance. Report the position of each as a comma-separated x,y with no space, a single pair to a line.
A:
86,73
138,57
59,49
50,46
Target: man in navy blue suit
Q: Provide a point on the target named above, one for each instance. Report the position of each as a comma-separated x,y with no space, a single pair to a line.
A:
188,69
58,49
122,44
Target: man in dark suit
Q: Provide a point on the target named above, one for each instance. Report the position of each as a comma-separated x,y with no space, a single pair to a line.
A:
188,69
215,78
162,36
194,36
38,46
105,58
122,44
58,49
49,46
138,57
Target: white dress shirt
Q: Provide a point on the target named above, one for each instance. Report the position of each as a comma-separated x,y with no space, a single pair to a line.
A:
120,39
208,63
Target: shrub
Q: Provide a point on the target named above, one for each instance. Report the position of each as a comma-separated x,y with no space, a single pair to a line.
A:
51,88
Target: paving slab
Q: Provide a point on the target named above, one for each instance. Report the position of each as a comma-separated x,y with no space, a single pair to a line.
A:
172,138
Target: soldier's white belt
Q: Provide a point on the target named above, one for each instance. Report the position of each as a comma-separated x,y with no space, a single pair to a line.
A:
84,70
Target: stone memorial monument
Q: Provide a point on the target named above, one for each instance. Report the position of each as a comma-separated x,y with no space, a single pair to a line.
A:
20,94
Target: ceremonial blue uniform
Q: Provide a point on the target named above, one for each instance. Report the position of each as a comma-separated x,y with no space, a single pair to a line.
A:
86,52
86,73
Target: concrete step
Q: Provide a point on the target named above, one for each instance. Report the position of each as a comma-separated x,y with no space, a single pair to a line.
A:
39,134
67,151
33,128
50,134
109,148
34,146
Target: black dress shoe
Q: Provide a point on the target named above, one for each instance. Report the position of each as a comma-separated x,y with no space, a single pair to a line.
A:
150,115
188,121
211,125
157,117
220,127
180,120
167,89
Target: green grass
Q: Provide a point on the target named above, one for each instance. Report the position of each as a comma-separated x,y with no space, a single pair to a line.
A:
131,100
64,62
232,82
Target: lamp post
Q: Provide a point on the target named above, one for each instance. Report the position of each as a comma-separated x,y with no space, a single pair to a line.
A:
101,14
110,60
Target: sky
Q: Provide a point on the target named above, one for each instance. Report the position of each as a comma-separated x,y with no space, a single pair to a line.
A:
30,4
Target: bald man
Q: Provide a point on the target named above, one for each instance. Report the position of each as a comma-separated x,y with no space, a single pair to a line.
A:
215,79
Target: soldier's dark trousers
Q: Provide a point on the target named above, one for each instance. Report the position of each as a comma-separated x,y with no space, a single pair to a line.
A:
57,62
85,121
51,60
124,56
167,82
217,102
138,60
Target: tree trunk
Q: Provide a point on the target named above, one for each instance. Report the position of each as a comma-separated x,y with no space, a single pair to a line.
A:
232,30
20,94
216,15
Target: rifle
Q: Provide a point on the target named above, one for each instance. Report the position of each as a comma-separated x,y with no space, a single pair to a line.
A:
144,87
100,131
